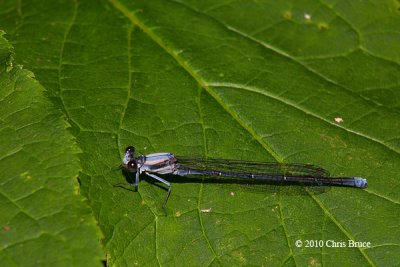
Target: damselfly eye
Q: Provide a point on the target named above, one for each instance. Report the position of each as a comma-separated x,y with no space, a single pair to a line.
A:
131,166
130,149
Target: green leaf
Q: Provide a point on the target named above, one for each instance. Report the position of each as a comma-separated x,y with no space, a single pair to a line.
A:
44,222
288,81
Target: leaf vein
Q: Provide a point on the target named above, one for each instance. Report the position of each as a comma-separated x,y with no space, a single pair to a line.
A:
341,227
294,105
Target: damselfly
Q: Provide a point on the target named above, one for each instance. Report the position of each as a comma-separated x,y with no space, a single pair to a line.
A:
167,163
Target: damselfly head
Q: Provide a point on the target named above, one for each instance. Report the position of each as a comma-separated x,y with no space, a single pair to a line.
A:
129,154
129,162
130,150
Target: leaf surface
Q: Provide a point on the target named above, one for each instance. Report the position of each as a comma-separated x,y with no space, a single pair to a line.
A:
43,220
255,80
